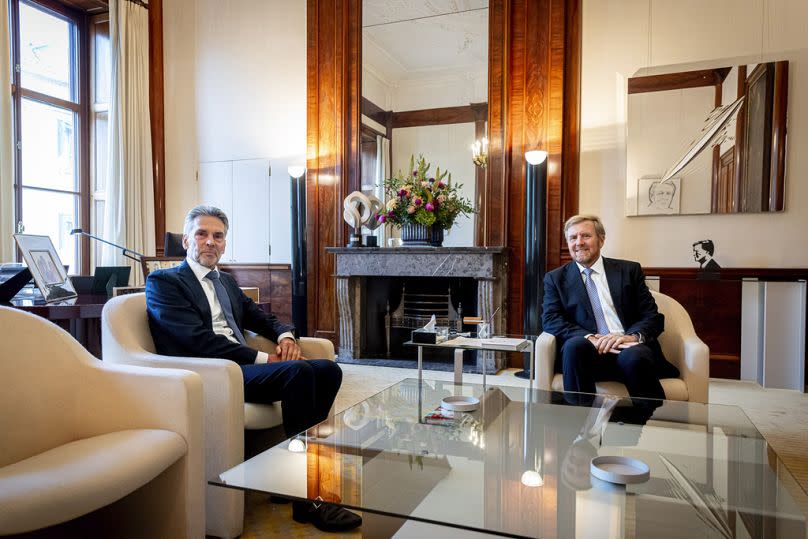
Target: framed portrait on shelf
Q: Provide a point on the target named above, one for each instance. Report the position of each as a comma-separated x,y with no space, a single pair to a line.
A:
151,263
45,266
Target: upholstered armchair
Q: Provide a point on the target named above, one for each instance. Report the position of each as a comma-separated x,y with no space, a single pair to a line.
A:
95,449
126,338
679,342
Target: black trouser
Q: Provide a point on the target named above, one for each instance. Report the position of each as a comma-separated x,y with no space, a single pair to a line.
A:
306,389
582,366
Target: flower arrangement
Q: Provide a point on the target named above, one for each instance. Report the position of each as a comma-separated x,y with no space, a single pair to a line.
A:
424,199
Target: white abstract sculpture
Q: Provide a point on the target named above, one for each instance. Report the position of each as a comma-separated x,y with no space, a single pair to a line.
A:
358,210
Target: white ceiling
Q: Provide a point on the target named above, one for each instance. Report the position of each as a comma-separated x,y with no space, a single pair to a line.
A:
405,40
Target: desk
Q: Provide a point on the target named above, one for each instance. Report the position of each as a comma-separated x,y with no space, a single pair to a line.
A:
80,316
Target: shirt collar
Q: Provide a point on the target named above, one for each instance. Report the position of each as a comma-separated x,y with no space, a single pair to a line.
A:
199,270
597,266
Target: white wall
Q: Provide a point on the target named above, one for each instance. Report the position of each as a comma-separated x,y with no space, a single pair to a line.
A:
235,73
622,36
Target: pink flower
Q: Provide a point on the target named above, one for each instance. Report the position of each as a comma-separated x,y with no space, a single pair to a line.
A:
402,193
441,185
381,218
390,214
424,184
417,201
414,172
441,198
410,209
429,207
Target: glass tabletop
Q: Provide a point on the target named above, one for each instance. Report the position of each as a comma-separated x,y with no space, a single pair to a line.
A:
519,465
471,341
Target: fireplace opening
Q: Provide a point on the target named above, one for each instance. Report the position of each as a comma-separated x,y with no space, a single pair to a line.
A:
395,306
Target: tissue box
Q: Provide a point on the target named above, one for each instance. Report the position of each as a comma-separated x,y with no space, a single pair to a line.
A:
430,337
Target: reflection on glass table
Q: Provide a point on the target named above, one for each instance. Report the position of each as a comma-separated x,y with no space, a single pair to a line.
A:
519,465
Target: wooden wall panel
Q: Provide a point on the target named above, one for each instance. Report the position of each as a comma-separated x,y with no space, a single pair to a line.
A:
534,95
274,283
333,130
157,119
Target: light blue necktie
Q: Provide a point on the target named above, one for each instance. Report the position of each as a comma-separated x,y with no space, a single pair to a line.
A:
594,299
224,301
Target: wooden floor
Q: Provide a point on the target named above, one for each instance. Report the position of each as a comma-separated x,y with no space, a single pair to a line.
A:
781,416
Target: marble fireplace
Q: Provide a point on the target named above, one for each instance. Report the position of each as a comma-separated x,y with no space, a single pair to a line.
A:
356,269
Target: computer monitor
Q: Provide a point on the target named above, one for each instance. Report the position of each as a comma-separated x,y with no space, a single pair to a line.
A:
108,277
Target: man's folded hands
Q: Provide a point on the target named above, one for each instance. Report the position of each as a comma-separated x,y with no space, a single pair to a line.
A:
613,343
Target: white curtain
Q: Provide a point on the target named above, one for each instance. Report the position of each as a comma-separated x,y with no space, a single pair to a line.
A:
6,143
129,208
382,173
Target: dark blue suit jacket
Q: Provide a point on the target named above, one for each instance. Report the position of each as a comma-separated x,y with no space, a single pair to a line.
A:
567,311
181,322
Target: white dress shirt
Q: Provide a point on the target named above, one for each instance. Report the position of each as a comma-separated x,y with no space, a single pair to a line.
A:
606,303
220,326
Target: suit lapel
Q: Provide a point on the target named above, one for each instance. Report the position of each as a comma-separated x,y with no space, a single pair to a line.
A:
200,299
614,276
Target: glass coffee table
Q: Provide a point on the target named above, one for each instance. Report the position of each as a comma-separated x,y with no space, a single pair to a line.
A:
519,466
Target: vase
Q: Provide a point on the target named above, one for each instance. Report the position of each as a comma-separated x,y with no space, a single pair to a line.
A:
416,235
436,238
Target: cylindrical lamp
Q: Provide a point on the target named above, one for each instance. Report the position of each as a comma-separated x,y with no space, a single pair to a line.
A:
535,248
297,177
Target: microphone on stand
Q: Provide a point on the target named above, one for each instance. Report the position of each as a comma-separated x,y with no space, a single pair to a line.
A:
128,253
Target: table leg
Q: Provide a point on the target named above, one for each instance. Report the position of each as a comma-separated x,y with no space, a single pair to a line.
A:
530,369
420,364
458,366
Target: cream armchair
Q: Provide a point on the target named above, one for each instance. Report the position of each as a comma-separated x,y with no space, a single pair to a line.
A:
680,344
92,448
126,338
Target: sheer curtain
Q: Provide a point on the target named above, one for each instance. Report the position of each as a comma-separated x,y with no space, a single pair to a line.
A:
129,208
6,143
382,173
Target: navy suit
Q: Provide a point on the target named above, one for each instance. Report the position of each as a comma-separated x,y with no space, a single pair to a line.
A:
181,325
567,314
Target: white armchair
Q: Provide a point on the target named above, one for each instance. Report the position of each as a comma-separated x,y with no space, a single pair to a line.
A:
126,338
88,447
680,344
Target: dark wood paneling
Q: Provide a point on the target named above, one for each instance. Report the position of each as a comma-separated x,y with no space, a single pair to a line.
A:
157,118
274,283
740,141
534,103
87,6
333,122
375,112
436,116
677,81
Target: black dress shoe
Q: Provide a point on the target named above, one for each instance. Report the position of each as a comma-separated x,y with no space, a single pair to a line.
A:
325,516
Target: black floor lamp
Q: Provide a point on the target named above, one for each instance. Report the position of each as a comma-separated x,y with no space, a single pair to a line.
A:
297,177
535,248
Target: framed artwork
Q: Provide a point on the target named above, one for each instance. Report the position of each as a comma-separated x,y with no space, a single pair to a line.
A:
655,197
45,266
151,263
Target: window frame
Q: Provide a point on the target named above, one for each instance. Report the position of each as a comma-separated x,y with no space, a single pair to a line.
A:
80,108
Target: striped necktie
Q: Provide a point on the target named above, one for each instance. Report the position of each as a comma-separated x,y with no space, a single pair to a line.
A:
594,299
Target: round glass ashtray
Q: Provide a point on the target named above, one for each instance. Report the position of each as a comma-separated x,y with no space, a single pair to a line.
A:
460,403
620,470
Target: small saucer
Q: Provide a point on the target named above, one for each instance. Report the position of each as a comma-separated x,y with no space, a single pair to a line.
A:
620,470
460,403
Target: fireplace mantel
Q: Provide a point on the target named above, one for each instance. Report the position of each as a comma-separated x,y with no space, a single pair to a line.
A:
488,265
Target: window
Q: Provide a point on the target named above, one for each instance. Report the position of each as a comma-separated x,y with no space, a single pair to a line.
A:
50,104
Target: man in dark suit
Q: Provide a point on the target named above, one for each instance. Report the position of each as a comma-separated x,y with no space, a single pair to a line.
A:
196,310
604,318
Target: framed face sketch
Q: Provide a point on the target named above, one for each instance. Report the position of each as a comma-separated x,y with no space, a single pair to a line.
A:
655,197
45,266
151,263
